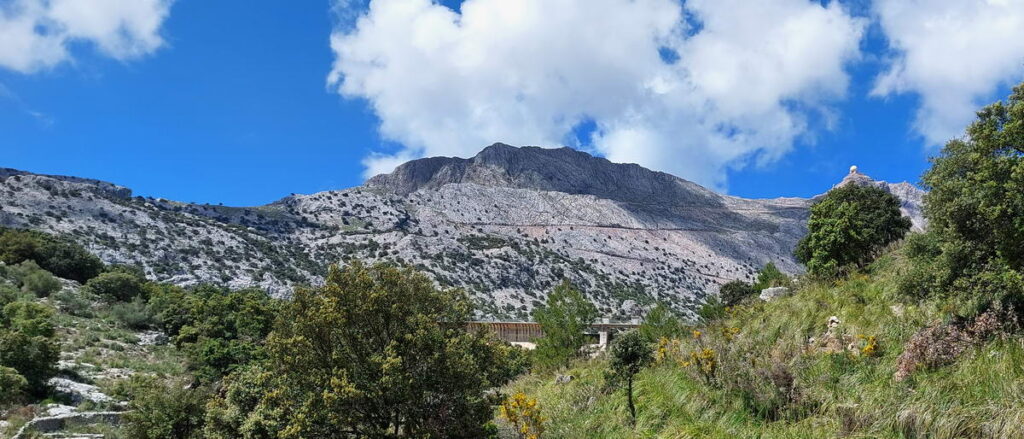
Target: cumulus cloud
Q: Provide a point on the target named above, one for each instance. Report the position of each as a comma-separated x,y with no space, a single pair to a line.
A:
688,88
37,34
955,54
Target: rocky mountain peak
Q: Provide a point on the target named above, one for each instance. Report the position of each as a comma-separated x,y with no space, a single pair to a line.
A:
560,170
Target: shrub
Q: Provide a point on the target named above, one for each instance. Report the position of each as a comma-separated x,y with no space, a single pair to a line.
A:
59,256
734,292
165,411
40,283
660,323
712,309
133,315
770,276
116,286
942,343
564,319
848,227
12,385
35,358
29,318
524,414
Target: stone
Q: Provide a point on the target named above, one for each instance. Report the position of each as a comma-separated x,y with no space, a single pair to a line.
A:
78,392
563,379
57,409
150,338
769,294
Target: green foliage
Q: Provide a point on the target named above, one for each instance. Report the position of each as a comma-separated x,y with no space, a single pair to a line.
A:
133,315
564,320
117,286
735,292
29,318
12,385
712,309
34,357
660,323
376,352
34,279
59,256
770,276
243,410
848,228
631,352
218,329
165,411
972,251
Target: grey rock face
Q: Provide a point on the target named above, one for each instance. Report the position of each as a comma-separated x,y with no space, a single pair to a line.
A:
78,392
507,226
770,294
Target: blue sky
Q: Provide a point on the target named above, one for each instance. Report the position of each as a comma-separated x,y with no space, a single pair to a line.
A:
229,102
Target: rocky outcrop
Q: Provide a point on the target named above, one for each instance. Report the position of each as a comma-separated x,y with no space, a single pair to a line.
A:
506,225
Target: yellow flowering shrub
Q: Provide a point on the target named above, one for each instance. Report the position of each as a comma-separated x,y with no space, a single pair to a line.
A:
524,414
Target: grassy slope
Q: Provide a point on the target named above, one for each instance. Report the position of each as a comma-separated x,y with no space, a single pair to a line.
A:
981,395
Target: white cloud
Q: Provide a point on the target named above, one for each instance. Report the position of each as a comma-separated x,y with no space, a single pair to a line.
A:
954,54
37,34
526,72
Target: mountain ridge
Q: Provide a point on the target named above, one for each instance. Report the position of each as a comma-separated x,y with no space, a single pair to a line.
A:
506,225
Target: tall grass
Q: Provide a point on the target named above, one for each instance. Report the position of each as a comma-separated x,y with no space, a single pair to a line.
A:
838,394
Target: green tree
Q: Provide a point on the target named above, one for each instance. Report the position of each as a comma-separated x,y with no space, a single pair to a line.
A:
376,352
659,323
564,319
630,353
975,212
848,227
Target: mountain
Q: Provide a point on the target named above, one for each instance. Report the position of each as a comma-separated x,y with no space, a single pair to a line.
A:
506,225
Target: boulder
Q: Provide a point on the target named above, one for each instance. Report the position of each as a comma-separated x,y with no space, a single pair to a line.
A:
769,294
562,379
78,392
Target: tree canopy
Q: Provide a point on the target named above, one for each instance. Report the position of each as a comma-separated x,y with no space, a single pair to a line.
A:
564,320
848,227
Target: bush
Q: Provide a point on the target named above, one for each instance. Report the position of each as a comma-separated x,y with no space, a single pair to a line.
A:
29,318
133,315
769,277
35,358
564,319
660,323
734,292
33,279
848,228
12,385
165,411
116,286
59,256
219,330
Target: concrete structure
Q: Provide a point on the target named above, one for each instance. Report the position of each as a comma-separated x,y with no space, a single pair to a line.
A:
525,333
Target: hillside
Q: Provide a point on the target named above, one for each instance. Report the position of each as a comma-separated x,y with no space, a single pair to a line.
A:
506,225
824,362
